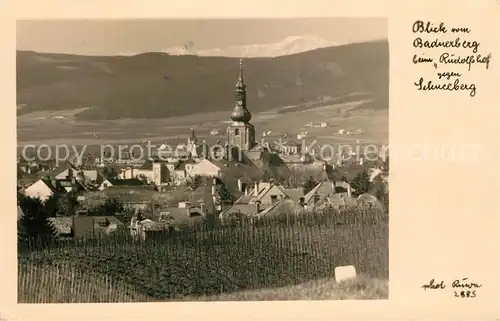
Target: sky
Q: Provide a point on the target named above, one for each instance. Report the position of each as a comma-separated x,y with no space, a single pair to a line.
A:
111,37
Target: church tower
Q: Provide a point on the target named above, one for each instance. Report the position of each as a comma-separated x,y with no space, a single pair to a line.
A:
241,133
192,144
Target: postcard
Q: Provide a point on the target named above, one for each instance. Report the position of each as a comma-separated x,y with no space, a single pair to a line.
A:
208,160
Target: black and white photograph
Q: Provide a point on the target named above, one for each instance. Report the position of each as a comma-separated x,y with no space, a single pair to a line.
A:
202,160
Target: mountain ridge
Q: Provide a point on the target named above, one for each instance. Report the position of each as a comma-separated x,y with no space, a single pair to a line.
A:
289,45
153,85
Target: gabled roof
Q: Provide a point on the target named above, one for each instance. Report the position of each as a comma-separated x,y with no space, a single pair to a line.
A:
64,166
179,216
285,205
148,165
315,190
241,208
54,188
126,182
295,193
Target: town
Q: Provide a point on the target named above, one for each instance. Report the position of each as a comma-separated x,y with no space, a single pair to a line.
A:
270,176
198,199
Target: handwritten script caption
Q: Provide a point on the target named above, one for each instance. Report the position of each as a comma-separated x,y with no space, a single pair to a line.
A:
452,51
462,288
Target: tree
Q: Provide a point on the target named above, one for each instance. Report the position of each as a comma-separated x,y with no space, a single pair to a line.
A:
110,207
67,204
51,205
195,182
35,224
361,183
224,193
309,184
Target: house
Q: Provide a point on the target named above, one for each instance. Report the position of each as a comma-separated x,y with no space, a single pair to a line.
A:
46,187
109,182
66,169
268,193
241,209
71,185
328,193
283,206
184,214
95,226
42,189
152,171
206,167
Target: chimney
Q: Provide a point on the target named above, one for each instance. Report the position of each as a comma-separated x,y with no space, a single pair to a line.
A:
256,189
73,180
246,190
53,181
302,201
240,187
257,204
349,194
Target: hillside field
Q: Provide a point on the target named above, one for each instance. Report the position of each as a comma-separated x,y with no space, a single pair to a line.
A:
203,265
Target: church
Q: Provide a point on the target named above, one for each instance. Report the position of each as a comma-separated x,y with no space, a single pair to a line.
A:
240,144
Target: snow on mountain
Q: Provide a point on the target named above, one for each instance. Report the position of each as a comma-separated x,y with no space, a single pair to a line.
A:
288,46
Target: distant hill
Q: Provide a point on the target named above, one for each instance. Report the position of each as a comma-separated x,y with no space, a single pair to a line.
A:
288,46
154,85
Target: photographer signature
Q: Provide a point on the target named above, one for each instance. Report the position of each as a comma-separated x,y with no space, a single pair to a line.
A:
461,287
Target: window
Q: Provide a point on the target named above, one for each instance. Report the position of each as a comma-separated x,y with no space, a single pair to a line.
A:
236,132
274,198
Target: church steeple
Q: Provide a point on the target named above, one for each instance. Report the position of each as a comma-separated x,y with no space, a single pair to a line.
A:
193,136
240,134
240,112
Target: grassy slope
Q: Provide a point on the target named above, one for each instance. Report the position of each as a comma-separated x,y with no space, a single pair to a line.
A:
135,86
360,288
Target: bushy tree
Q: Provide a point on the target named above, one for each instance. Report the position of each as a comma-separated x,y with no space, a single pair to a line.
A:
361,183
67,204
35,225
110,207
224,193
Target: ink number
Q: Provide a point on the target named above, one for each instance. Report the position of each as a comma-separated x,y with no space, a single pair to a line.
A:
465,294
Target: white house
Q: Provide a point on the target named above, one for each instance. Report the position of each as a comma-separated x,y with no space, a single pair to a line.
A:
154,172
206,167
42,189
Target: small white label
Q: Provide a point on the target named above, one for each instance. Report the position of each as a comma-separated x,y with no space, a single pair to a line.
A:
345,272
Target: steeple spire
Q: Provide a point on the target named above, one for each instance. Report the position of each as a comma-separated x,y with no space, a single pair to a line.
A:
193,136
240,78
240,112
240,85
